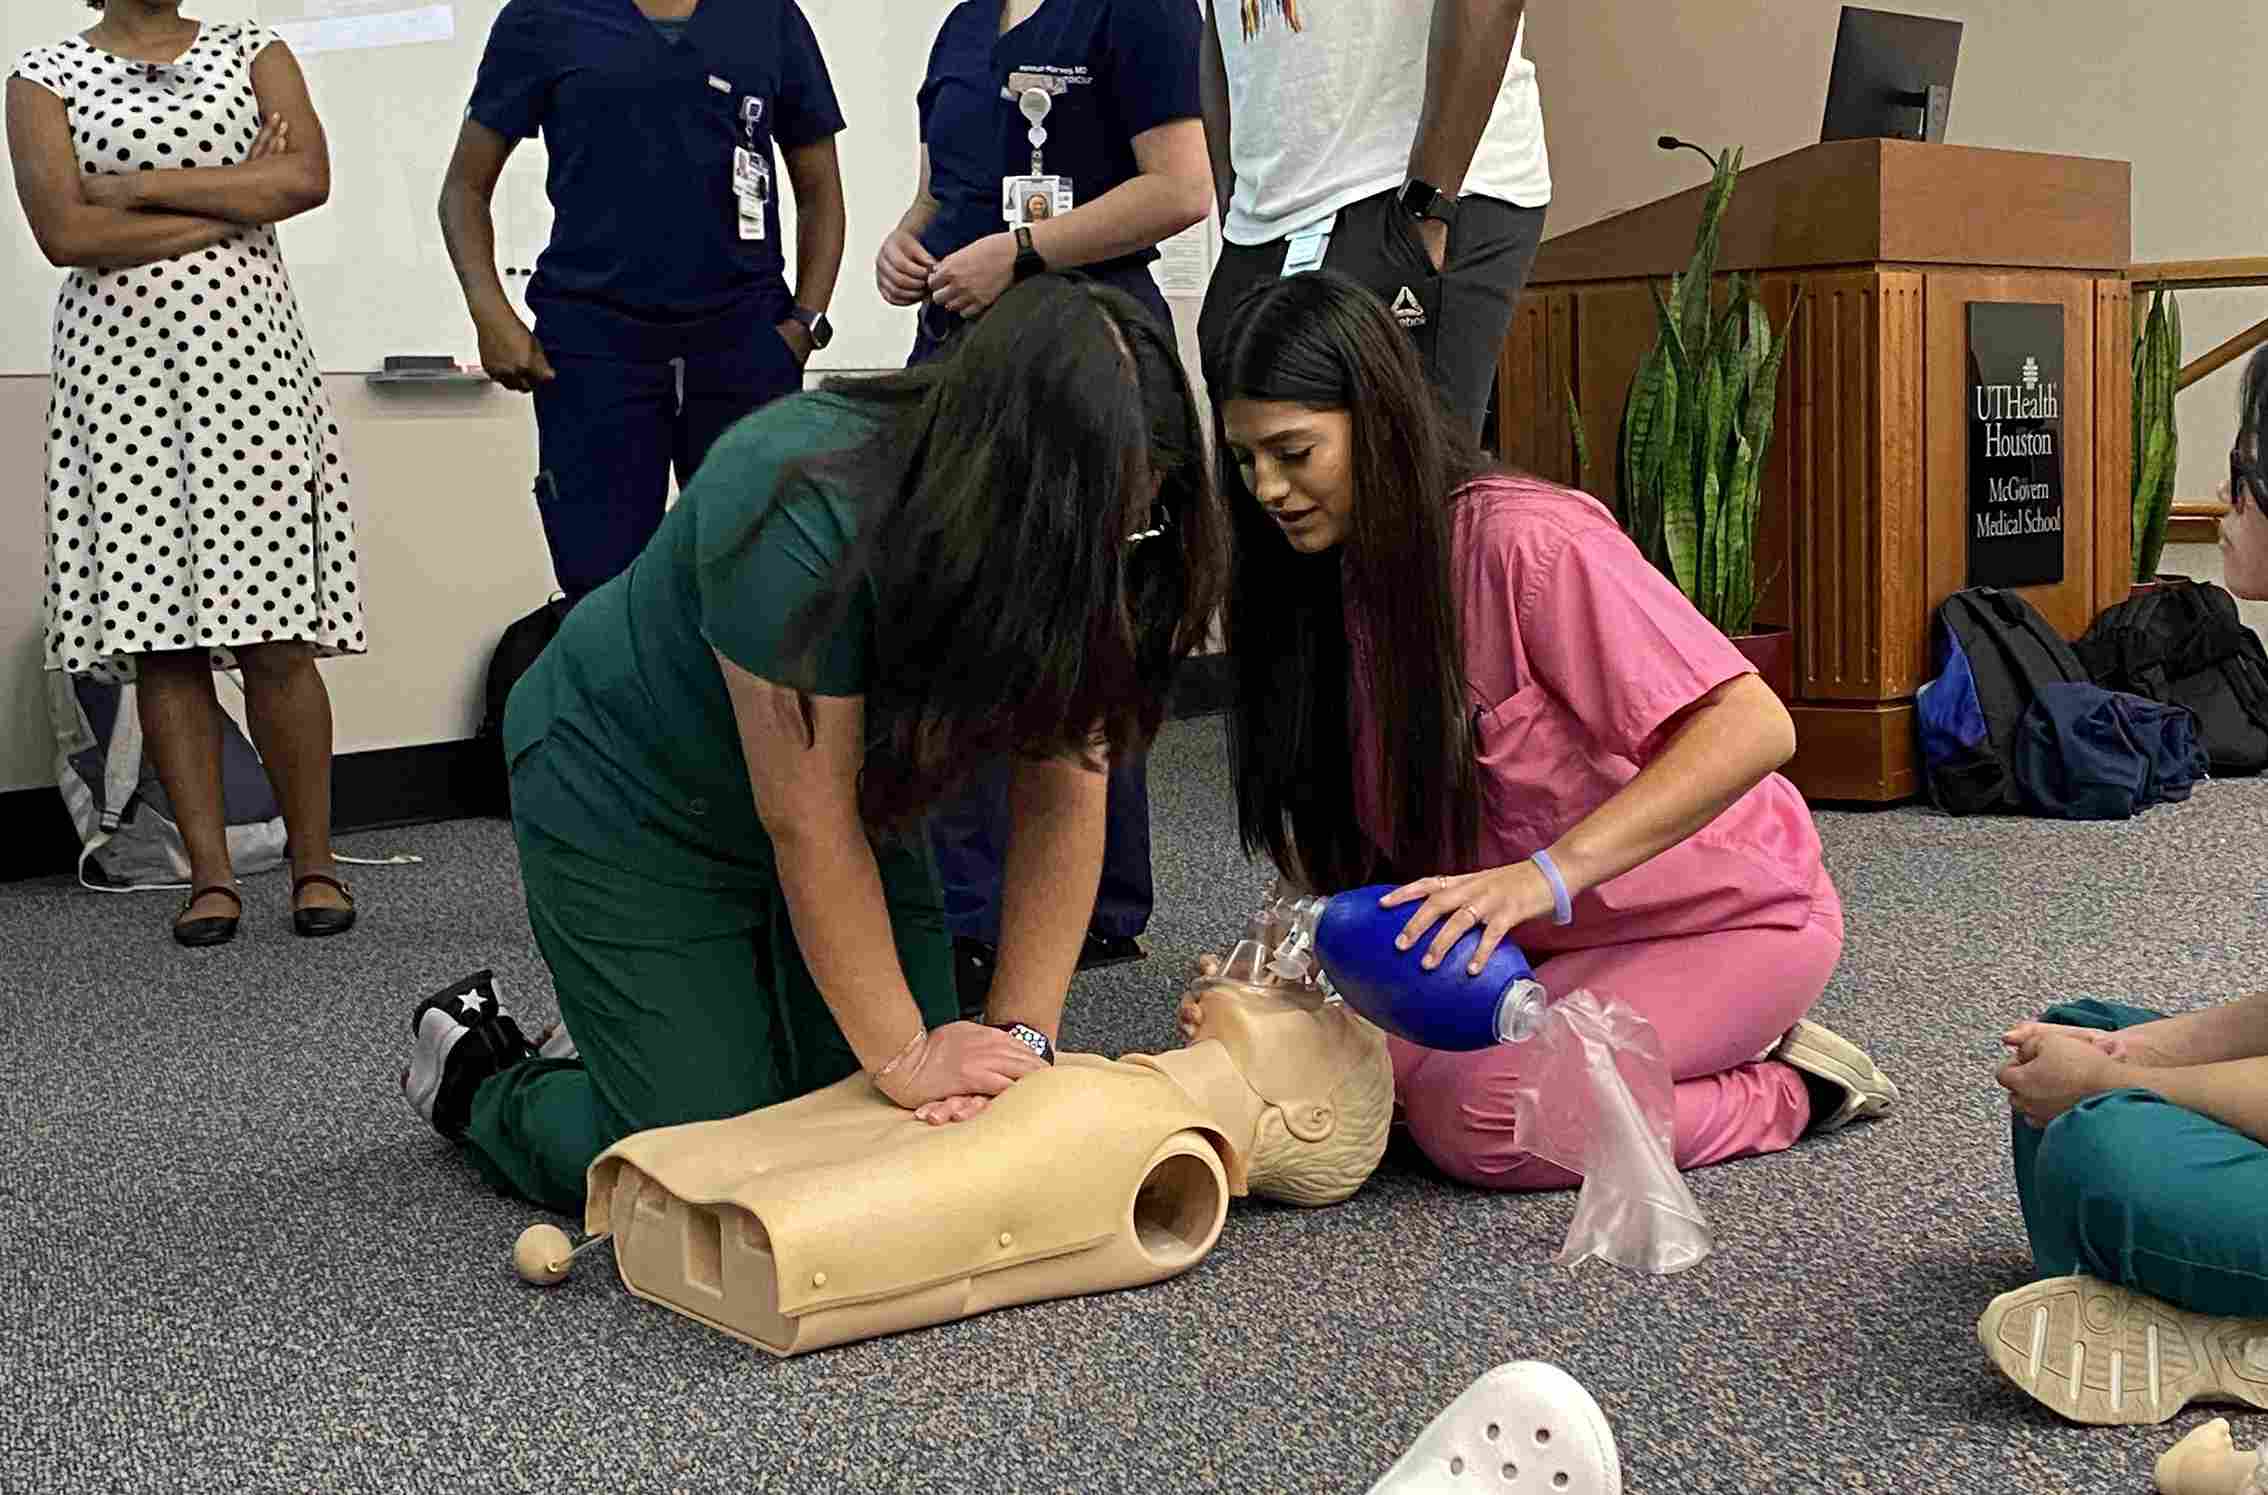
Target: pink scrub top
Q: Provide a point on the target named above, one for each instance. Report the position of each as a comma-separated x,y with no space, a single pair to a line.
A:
1577,653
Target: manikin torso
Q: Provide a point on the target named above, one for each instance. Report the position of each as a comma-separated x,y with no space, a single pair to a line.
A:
839,1216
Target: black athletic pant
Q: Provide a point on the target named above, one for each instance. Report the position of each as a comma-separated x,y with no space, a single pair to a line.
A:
1457,316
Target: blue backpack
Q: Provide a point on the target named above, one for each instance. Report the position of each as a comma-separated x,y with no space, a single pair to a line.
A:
2011,723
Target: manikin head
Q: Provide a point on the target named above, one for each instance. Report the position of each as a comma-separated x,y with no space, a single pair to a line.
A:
1324,1083
2244,532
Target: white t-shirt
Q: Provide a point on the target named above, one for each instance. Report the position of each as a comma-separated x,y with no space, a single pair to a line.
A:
1325,115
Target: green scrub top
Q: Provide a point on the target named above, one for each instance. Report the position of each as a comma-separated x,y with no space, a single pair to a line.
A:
628,704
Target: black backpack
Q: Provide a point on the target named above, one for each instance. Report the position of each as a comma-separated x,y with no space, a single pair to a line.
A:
2182,643
1994,652
515,652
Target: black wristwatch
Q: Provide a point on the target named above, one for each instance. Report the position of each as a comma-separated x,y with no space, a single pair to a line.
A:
1030,1037
1424,200
1028,261
814,322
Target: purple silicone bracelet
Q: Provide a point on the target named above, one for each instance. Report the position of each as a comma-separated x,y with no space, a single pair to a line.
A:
1562,911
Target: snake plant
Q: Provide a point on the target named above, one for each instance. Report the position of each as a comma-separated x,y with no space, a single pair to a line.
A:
1697,425
2157,445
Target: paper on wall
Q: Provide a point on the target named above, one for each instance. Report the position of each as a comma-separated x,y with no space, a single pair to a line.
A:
310,27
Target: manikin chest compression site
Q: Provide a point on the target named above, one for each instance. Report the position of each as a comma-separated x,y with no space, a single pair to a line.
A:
1594,1094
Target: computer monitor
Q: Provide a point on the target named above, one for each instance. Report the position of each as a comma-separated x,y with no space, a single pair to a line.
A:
1893,76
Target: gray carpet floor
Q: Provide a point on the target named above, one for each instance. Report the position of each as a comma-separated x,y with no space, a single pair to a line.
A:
230,1259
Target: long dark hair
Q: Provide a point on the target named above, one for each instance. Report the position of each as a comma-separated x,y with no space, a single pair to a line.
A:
1324,342
1013,616
2252,409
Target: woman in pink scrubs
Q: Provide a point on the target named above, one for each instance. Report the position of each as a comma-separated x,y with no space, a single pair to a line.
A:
1471,683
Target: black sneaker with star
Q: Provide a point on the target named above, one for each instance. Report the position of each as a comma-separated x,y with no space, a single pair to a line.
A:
460,1036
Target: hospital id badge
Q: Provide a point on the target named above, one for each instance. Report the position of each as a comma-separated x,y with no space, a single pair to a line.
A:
1308,246
752,188
1026,200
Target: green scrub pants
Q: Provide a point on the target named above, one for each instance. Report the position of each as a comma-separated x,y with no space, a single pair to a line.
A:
686,1003
2128,1188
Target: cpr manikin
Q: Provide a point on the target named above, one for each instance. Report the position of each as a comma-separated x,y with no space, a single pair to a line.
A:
839,1216
2208,1462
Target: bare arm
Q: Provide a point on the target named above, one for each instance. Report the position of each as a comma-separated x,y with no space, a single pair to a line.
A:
2214,1035
903,263
806,793
508,351
1466,57
2233,1092
922,211
468,218
807,798
268,189
1172,190
1722,746
1047,889
1212,83
71,231
820,229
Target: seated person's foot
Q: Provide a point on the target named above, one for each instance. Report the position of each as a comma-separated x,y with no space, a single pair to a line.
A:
2096,1352
1521,1427
461,1036
1845,1086
1110,950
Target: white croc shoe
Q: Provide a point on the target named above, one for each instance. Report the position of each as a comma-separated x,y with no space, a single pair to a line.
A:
1525,1428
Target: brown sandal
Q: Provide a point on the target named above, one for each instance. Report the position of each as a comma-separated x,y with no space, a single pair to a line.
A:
215,929
315,923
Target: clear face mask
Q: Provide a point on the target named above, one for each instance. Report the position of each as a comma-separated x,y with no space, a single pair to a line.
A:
1593,1094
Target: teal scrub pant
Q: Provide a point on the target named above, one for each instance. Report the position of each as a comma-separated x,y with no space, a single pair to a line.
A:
686,1004
2128,1188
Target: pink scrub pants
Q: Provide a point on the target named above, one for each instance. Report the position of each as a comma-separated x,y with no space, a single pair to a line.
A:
1717,1000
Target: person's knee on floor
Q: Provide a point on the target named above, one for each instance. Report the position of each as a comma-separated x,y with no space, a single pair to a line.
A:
2094,1163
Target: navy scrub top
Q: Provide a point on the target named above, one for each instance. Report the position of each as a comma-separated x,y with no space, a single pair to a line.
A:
640,124
1126,65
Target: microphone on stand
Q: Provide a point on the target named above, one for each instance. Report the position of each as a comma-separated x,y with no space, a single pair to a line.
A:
1672,143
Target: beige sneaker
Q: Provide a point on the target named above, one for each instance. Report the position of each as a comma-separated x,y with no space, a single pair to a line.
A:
2099,1353
1818,1050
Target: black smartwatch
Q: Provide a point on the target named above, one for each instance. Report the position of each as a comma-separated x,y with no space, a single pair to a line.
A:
1424,200
1030,1037
814,322
1028,261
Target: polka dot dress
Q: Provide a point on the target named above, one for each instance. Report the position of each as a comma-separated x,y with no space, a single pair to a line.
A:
195,492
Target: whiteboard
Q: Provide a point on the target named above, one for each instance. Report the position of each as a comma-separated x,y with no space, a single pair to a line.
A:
391,78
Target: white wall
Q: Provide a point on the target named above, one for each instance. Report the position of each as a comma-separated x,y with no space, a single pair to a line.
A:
451,549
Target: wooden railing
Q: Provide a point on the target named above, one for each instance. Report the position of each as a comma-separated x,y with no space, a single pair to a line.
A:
2196,521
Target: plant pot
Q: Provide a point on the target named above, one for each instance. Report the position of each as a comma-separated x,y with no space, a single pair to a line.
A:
2161,579
1773,654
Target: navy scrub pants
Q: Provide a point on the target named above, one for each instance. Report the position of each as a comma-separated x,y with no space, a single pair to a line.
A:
611,431
970,834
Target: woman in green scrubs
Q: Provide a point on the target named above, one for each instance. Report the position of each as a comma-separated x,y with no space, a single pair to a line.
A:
720,766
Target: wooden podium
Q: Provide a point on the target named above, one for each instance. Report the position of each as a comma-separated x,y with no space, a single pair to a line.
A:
1865,523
